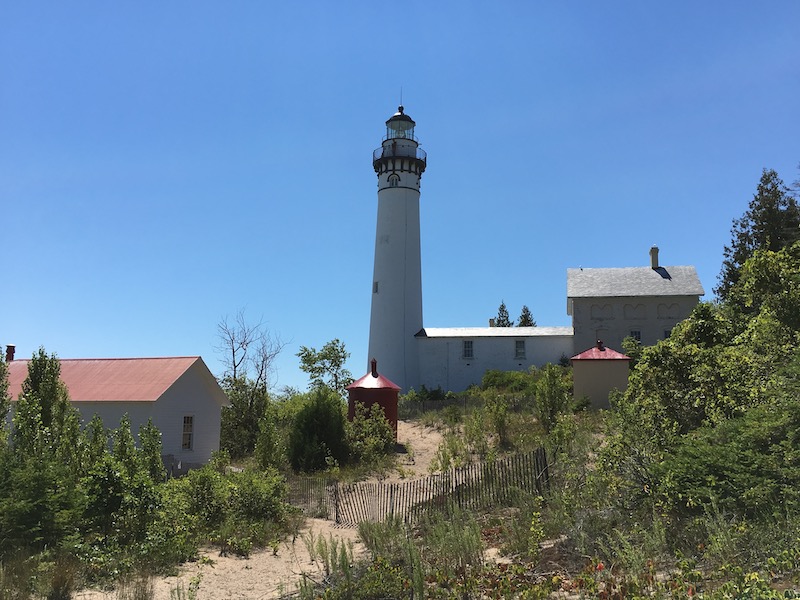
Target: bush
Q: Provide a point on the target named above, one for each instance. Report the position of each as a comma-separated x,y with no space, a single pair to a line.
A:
317,437
552,396
257,496
370,437
746,466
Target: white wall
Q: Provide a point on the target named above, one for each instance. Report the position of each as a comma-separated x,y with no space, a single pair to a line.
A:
196,393
442,362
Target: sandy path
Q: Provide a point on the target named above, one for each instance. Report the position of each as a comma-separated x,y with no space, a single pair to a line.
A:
266,575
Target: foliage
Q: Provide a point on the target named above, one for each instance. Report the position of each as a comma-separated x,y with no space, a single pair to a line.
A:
241,420
326,366
270,449
496,409
632,348
771,222
248,352
92,505
5,399
508,381
526,318
370,437
502,319
748,465
317,439
552,395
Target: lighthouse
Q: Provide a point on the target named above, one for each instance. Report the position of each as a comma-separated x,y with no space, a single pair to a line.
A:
396,315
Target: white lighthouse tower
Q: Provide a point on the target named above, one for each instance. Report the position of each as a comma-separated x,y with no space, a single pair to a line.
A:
397,280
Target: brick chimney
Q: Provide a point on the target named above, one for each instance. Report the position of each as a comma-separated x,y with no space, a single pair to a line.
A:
654,257
10,352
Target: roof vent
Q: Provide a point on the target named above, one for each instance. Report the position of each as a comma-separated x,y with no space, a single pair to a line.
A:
600,346
374,364
654,257
10,348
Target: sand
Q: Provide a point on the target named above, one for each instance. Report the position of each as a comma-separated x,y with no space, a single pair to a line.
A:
267,574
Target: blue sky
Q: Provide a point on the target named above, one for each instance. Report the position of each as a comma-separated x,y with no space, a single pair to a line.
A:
163,165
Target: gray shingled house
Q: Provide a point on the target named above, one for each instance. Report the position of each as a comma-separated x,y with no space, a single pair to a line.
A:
641,302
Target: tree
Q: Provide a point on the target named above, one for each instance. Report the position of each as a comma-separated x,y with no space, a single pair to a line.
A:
44,421
248,352
502,319
318,432
526,318
771,222
326,366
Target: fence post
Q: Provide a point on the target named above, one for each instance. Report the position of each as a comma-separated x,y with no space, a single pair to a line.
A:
336,502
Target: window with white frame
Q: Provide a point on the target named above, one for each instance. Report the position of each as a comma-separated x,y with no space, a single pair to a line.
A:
519,348
636,334
467,350
188,433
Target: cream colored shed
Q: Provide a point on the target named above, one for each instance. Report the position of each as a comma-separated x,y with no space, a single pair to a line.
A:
597,371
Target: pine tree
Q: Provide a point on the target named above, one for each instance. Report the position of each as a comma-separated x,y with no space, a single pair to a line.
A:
526,318
502,319
771,222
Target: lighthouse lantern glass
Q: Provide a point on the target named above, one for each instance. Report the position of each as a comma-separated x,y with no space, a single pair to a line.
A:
400,129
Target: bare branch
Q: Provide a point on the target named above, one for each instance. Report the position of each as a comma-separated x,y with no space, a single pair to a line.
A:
248,350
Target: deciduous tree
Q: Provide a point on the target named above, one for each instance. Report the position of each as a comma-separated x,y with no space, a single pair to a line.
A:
326,366
248,352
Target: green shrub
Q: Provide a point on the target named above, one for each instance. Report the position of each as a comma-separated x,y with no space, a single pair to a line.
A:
317,437
552,396
370,437
207,492
745,466
257,496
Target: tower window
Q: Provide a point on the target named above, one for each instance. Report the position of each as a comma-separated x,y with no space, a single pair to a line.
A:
374,287
667,333
188,433
636,334
394,180
519,349
467,351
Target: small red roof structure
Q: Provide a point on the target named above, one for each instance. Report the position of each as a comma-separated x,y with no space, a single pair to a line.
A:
110,379
597,371
600,352
374,381
374,388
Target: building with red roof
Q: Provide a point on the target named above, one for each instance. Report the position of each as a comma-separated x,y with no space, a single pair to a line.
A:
179,394
597,371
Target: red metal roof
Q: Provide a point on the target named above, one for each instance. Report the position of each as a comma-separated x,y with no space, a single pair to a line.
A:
600,352
374,381
111,379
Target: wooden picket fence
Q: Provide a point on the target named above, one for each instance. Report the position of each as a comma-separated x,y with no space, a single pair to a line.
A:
471,487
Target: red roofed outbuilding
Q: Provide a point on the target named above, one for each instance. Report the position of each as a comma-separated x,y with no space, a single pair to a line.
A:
374,388
597,371
179,394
